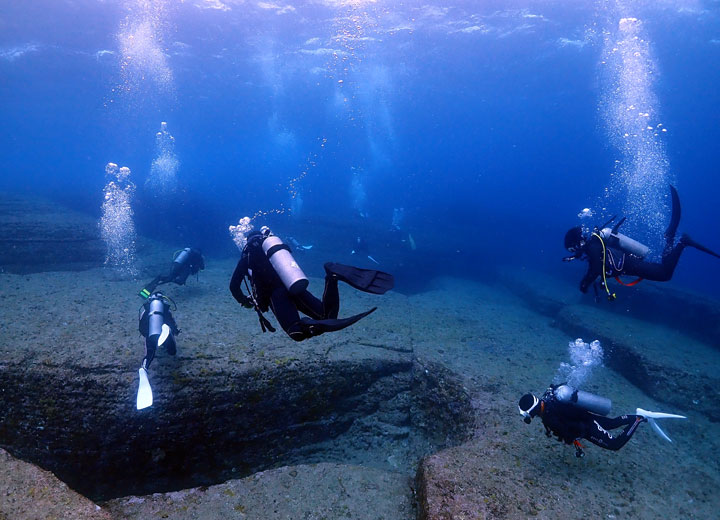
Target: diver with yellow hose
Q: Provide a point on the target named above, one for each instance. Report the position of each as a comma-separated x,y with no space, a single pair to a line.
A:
611,254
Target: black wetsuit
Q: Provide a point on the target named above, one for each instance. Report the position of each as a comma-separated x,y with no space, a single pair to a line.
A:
187,261
618,263
570,423
144,327
268,292
182,269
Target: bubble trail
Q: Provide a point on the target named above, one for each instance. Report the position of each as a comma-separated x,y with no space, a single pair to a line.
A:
584,357
117,228
162,180
630,110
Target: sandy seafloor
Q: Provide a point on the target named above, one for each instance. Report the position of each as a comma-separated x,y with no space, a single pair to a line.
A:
499,346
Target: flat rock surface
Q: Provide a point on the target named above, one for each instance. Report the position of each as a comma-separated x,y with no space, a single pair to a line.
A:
28,492
317,491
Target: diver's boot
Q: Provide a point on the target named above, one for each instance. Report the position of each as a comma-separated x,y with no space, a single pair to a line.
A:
316,327
367,280
687,241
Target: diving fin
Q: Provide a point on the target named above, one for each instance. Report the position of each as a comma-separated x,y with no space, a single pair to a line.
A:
674,215
685,239
367,280
651,416
616,227
149,288
317,327
144,395
164,334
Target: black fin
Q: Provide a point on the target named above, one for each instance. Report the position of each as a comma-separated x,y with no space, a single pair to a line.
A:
608,222
367,280
617,226
690,242
674,216
317,327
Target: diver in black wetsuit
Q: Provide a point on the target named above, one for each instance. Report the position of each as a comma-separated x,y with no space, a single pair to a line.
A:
603,248
278,284
572,414
185,262
157,325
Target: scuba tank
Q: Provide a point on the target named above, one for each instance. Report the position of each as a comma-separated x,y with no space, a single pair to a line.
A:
624,243
182,256
156,318
283,263
581,399
155,325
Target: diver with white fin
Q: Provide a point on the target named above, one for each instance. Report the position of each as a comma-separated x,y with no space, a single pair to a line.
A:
610,254
277,283
158,327
573,414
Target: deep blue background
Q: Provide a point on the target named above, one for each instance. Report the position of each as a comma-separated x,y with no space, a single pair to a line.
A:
493,134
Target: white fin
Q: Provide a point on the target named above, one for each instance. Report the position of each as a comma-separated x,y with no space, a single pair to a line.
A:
164,334
144,395
658,415
371,258
306,247
651,416
657,428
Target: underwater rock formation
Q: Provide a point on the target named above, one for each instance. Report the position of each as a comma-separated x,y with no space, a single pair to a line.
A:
27,491
217,418
694,314
38,235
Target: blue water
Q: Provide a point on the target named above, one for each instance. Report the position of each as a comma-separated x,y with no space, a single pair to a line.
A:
484,120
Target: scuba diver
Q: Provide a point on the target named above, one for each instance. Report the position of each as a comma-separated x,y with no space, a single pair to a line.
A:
277,283
361,247
158,327
185,262
612,254
573,414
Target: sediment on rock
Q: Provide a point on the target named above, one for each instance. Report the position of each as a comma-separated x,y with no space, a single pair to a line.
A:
28,492
307,491
208,427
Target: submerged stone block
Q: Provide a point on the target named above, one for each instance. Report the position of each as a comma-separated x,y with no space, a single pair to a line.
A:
37,235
